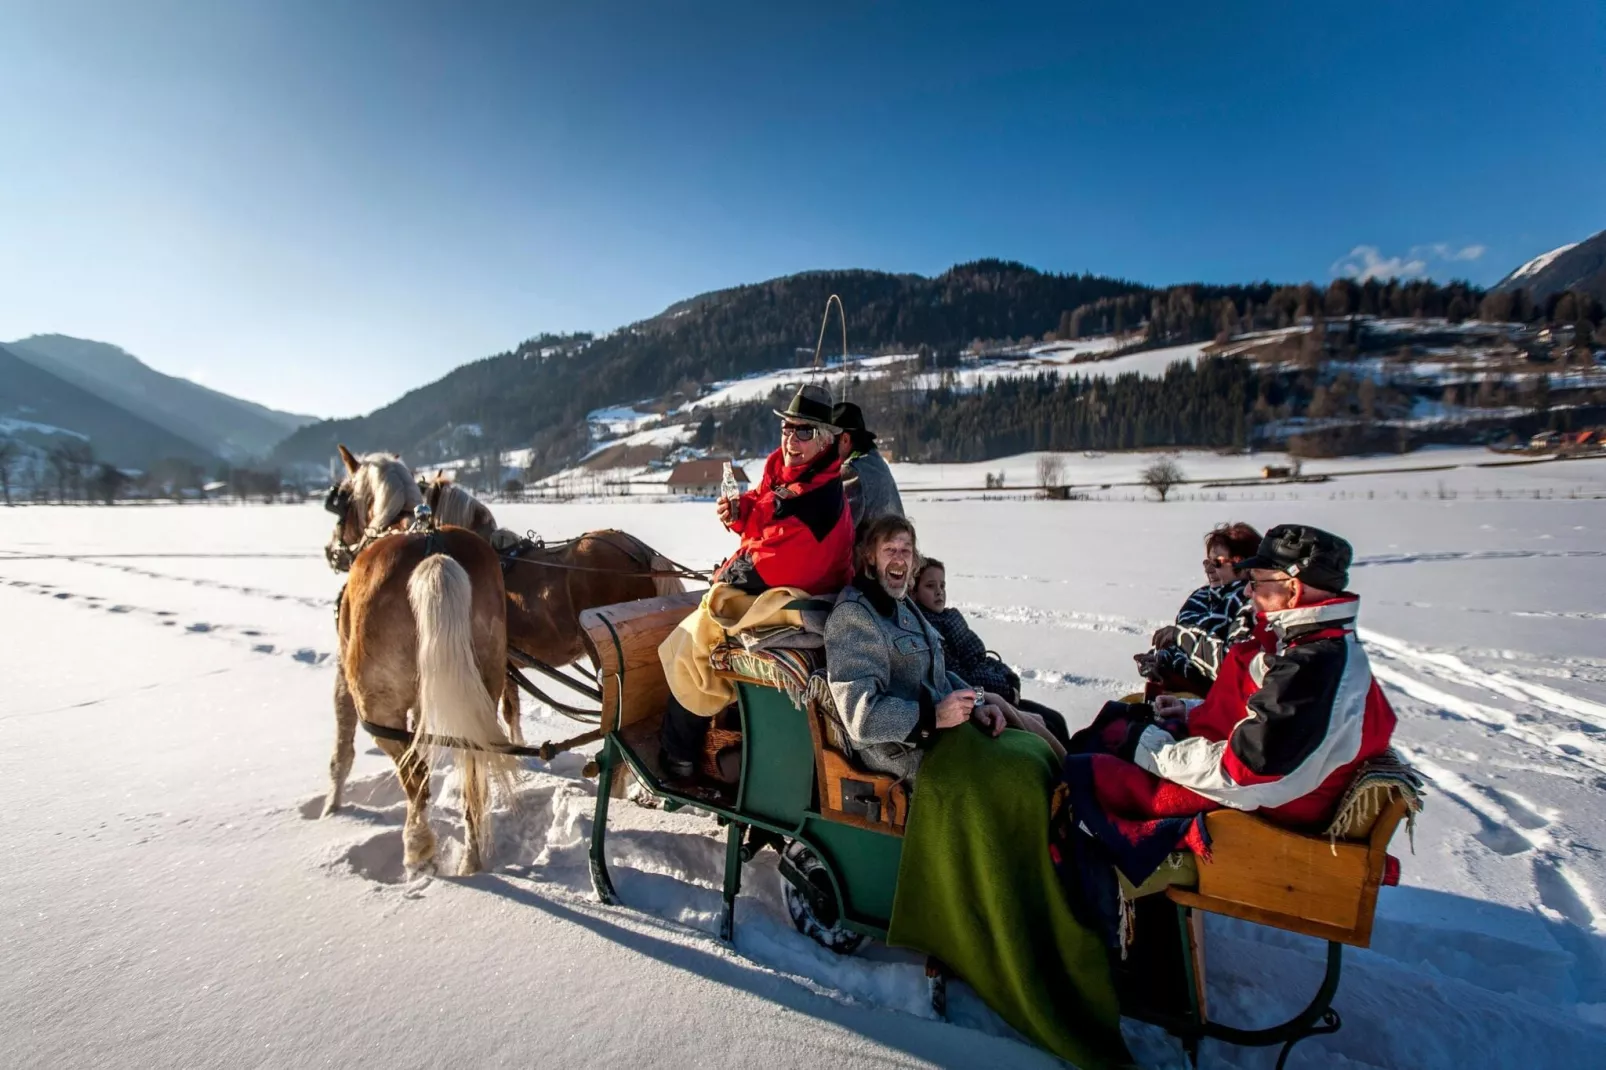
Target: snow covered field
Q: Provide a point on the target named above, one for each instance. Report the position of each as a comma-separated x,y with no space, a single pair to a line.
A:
168,899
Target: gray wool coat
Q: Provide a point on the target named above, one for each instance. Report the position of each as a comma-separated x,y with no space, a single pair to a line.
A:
885,669
872,492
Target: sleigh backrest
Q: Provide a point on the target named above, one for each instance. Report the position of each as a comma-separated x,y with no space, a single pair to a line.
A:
623,642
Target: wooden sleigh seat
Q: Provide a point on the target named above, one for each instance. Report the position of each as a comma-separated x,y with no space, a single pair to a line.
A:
1322,884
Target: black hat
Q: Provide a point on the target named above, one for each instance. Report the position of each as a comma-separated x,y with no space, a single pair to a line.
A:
850,418
811,404
1311,555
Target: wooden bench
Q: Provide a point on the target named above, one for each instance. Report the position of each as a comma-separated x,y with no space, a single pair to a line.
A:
1323,885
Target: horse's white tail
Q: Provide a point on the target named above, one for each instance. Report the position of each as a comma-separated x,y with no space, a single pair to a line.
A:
452,699
664,583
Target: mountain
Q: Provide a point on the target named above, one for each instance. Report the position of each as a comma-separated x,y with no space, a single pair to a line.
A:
41,409
214,422
538,395
1580,266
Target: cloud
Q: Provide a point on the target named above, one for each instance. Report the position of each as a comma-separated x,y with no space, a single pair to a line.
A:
1368,262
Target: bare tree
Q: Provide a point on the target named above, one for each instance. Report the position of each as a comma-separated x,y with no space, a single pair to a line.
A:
1162,475
1050,470
10,450
68,461
109,482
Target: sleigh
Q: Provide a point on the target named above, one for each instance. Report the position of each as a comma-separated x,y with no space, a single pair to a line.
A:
838,828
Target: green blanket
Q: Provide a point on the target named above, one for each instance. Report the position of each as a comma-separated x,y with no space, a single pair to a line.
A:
977,890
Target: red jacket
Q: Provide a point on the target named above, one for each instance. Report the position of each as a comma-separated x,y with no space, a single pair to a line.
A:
795,529
1293,713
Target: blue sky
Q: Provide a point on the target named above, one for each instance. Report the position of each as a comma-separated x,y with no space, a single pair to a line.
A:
322,205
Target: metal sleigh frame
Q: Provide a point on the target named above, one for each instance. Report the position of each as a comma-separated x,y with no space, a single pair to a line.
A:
1317,1019
776,808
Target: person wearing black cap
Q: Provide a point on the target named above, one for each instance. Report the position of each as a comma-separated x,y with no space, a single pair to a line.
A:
872,492
796,533
1295,710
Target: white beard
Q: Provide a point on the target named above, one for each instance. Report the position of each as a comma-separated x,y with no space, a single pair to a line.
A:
897,592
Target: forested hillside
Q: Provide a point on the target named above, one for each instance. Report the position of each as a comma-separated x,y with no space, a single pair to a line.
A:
537,396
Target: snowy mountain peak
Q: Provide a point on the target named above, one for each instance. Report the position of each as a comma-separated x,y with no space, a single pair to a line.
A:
1540,262
1580,266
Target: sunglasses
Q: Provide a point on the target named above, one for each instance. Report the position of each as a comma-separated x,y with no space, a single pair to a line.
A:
1219,562
1253,583
801,432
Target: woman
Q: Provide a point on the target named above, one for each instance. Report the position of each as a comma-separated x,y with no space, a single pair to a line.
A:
1187,655
967,655
797,540
976,887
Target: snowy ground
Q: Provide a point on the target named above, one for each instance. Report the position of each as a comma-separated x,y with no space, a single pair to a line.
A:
169,901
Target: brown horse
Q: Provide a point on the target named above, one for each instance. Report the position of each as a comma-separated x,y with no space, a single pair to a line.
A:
548,587
422,627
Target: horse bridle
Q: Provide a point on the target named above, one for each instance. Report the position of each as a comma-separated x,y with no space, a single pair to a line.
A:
338,500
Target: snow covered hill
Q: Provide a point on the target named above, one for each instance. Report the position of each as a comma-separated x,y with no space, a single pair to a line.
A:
1578,266
170,899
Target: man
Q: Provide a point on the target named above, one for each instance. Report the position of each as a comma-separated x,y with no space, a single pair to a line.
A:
884,660
868,481
797,540
794,527
1295,711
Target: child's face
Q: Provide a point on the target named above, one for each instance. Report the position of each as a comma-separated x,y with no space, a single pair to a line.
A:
932,590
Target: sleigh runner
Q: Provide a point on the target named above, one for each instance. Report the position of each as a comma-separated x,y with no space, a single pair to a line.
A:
839,828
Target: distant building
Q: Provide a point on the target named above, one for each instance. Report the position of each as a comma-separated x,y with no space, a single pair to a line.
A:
1276,471
702,478
1545,440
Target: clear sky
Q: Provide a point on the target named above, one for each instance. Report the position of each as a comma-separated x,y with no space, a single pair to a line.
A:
320,205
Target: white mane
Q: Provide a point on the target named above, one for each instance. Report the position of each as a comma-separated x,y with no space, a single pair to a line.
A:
454,505
383,489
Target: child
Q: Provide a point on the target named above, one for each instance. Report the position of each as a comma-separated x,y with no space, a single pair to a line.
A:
965,653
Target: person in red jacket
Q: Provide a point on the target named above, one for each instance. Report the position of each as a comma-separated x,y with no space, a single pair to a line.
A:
1295,710
795,526
796,531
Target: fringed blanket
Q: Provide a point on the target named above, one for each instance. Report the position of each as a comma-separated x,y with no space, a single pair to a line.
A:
1108,815
792,671
1379,782
976,890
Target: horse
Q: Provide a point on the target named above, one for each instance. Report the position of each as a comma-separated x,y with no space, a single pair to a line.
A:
548,587
423,626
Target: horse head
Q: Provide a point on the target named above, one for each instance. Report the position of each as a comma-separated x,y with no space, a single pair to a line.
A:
377,494
451,504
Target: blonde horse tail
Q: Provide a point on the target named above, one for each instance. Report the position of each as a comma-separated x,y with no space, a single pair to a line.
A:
664,581
452,700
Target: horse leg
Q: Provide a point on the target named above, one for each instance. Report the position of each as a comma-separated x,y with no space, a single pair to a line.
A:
476,812
512,714
418,839
476,777
345,747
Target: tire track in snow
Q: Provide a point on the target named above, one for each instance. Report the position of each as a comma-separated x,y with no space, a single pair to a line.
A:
1449,666
1547,718
1070,620
1429,557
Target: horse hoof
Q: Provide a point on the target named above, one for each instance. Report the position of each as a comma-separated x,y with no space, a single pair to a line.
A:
329,807
420,871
